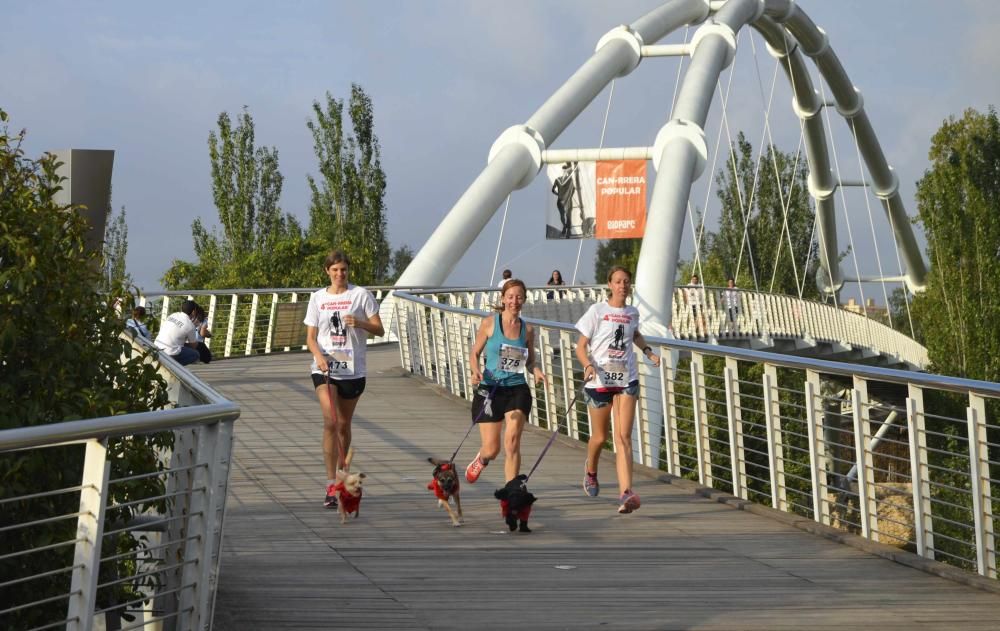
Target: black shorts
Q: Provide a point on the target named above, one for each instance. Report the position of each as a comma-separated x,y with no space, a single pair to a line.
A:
505,399
346,388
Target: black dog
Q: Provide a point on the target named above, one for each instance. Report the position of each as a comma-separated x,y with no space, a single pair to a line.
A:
515,503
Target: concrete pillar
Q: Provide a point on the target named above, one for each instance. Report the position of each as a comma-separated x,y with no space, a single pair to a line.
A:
87,183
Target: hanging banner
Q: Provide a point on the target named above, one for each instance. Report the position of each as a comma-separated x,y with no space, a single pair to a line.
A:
621,199
605,199
571,211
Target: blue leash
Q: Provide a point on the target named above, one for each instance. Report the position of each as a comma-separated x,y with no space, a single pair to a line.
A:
552,438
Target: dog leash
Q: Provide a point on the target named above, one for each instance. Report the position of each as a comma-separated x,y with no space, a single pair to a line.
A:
552,438
486,402
333,410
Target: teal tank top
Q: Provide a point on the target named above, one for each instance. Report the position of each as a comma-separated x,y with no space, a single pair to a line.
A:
513,357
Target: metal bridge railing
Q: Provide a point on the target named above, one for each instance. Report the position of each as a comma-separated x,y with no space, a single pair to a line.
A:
903,458
760,317
255,321
166,554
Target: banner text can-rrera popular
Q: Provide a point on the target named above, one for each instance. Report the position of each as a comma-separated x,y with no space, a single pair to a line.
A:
621,199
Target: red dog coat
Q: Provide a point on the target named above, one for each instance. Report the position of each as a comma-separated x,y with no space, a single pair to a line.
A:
351,503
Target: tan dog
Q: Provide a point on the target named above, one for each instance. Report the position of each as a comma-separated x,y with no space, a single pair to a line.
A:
445,486
348,489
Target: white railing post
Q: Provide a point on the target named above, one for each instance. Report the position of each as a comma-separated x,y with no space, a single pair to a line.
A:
89,536
982,498
920,479
196,575
775,439
421,313
270,322
863,460
699,408
544,360
231,327
817,448
453,364
252,323
670,431
734,414
566,358
211,317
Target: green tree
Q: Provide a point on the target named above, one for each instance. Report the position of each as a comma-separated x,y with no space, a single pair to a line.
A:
958,200
60,359
347,210
115,251
624,252
752,233
401,259
251,249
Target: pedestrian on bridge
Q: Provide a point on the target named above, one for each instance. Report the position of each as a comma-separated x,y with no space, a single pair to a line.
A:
502,393
338,321
608,332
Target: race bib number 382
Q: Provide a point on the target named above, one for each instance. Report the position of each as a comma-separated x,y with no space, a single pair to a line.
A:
614,374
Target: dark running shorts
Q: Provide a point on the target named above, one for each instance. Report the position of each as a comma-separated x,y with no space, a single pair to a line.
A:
346,388
598,399
505,399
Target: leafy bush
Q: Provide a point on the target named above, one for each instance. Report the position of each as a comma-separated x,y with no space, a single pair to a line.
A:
61,358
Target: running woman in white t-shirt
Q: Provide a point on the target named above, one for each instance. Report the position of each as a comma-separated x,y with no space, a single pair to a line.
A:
339,319
608,331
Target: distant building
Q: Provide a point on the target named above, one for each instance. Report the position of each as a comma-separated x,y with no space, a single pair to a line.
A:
875,312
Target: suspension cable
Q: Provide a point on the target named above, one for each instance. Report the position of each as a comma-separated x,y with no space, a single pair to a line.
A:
600,145
699,235
496,258
744,203
782,200
847,216
871,223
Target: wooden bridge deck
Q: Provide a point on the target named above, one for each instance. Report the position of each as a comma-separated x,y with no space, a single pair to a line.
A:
683,561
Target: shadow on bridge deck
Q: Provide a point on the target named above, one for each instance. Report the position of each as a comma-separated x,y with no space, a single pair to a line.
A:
681,562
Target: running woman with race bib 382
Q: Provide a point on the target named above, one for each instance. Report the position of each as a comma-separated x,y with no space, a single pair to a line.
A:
608,331
502,394
338,321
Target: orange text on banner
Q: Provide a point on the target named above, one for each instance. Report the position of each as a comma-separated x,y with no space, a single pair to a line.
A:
621,199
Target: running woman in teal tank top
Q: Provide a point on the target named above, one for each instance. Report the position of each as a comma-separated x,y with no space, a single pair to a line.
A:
502,392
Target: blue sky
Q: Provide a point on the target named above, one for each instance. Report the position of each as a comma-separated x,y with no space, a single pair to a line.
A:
446,77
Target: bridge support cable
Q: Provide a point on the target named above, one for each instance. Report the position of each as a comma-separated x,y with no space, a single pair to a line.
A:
600,146
806,104
850,105
496,257
784,200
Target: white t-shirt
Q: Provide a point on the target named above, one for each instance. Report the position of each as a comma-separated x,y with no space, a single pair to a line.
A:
174,332
344,344
610,331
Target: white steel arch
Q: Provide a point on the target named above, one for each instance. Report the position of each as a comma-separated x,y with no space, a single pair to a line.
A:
518,154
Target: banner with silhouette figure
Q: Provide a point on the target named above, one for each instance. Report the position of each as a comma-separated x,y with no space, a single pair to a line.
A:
603,200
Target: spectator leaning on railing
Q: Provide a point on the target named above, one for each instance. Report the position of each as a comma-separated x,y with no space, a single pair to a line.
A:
178,334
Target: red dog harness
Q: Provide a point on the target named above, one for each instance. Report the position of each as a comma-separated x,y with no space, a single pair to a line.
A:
351,503
433,485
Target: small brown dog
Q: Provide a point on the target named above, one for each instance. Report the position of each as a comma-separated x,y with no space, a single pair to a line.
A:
348,489
515,503
445,485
